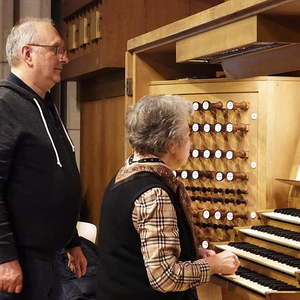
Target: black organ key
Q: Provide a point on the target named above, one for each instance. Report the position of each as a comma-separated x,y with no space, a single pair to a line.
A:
274,255
272,283
288,234
289,211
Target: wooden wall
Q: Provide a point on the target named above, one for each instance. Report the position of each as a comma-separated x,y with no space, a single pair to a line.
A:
102,137
102,140
101,83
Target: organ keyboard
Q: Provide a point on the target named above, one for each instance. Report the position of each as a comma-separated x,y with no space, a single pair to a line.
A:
270,259
274,234
258,282
291,215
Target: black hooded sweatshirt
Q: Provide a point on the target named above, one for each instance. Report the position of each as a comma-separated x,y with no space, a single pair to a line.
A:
39,181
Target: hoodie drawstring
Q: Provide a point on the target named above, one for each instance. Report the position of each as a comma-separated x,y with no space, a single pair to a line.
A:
48,132
63,126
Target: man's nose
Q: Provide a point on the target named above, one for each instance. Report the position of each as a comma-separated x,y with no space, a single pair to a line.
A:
64,59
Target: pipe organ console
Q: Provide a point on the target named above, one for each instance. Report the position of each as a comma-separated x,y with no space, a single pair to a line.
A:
241,143
269,255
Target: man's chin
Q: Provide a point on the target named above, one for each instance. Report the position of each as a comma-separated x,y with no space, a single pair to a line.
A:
57,78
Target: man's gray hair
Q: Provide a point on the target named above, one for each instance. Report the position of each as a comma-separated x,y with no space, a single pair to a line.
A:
155,121
23,33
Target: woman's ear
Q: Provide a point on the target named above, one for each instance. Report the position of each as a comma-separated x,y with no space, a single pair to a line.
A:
171,147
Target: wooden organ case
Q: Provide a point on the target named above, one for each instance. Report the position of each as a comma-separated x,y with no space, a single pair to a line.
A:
244,135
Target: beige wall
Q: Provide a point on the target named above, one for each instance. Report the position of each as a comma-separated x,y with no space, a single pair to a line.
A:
28,8
73,117
35,8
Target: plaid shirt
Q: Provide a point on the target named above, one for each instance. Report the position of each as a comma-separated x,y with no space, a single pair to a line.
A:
155,220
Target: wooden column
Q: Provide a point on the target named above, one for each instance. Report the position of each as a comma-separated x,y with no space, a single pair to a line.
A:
6,23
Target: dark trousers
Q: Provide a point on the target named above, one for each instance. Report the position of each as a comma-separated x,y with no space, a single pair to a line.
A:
41,281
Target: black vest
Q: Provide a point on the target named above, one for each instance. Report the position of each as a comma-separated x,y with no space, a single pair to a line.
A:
121,272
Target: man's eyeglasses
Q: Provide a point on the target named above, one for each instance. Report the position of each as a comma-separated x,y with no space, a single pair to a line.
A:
58,50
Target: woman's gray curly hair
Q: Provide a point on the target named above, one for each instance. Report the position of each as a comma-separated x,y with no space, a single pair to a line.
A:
155,121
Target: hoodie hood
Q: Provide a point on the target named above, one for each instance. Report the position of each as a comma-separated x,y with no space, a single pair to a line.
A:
30,95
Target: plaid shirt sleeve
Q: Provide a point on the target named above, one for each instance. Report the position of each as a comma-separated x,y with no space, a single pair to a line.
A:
155,220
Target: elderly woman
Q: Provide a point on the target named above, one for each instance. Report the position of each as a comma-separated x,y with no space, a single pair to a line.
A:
147,247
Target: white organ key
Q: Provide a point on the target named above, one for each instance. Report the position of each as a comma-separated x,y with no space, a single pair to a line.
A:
248,284
282,217
271,237
261,259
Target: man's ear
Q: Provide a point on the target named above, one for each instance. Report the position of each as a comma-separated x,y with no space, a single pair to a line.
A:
26,55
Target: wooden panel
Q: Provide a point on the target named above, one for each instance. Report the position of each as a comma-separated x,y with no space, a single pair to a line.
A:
69,7
262,63
128,94
238,34
102,142
283,296
122,20
278,29
105,84
291,8
88,54
233,35
232,291
159,13
148,66
209,291
264,143
84,42
197,6
221,14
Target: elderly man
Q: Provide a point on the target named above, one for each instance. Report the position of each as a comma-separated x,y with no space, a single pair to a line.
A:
39,179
